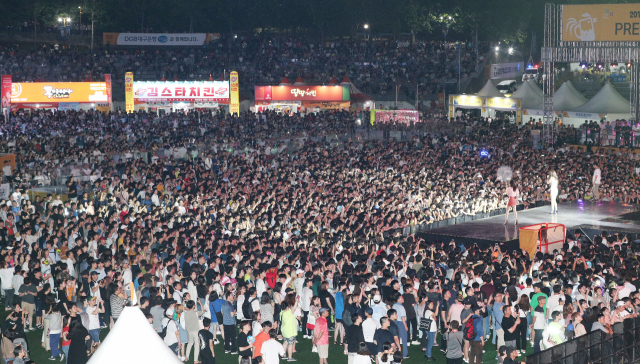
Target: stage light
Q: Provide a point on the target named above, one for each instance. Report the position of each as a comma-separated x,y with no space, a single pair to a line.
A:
497,49
510,50
583,65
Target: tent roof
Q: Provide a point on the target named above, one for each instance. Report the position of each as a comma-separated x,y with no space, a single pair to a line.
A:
356,95
299,81
528,95
565,99
489,90
535,87
607,100
345,81
575,91
132,340
333,81
285,81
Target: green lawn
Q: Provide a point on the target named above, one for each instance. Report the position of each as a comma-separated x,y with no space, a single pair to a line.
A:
39,355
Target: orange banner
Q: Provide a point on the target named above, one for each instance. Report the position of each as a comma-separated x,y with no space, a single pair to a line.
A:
42,92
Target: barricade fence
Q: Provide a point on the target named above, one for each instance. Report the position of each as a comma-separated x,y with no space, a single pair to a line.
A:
596,347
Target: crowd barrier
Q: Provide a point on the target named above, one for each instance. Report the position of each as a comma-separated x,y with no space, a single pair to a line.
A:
596,347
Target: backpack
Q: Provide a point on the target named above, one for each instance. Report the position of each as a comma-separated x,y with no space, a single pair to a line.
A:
346,318
164,330
272,277
247,310
469,332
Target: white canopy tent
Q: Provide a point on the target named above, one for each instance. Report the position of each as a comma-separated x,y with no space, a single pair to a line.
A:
489,90
133,341
608,101
567,98
528,94
534,85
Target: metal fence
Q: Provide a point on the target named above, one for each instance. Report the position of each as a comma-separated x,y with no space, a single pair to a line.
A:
596,347
601,138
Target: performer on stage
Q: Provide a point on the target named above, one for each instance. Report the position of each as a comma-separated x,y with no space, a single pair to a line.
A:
512,193
553,182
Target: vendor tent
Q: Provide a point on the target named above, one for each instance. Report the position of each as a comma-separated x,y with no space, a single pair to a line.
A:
528,94
358,97
606,101
535,87
489,90
565,99
132,340
575,91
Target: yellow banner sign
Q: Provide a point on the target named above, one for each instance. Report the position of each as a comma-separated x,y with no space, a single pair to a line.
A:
128,91
234,95
502,103
464,100
602,22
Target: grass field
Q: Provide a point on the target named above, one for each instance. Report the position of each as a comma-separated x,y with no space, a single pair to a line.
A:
40,356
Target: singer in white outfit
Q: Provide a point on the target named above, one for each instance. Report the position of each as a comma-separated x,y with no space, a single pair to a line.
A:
553,182
512,192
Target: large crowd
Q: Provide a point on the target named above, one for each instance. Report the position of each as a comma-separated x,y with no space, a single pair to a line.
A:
375,66
255,229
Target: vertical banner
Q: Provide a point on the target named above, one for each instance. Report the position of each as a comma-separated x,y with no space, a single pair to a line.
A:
6,90
234,96
107,80
128,91
373,116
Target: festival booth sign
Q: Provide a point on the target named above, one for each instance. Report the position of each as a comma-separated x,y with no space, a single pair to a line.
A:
59,95
600,23
179,95
401,116
486,104
544,237
291,97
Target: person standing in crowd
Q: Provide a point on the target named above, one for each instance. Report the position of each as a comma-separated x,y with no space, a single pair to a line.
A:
172,334
205,338
55,330
27,293
321,335
477,343
94,310
539,322
78,335
271,349
354,337
244,346
229,324
289,326
192,326
510,326
401,322
454,344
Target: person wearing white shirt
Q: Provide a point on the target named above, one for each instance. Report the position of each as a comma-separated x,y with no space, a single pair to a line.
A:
272,350
596,182
369,326
6,276
260,286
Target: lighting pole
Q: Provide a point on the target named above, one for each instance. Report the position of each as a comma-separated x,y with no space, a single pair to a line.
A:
448,20
366,29
93,8
80,22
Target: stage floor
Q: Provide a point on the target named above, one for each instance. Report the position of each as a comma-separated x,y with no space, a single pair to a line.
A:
583,214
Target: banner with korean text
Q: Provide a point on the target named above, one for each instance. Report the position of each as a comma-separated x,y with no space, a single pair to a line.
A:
6,90
128,91
234,97
162,91
159,39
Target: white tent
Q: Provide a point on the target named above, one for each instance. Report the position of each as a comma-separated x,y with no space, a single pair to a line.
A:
606,101
565,99
535,87
489,90
528,94
133,341
575,91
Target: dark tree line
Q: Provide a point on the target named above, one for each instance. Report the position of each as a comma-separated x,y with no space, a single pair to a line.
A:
509,21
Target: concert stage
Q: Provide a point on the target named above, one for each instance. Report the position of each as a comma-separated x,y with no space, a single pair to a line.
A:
589,216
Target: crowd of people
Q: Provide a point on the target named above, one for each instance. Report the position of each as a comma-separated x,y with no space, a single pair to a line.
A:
256,229
375,66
